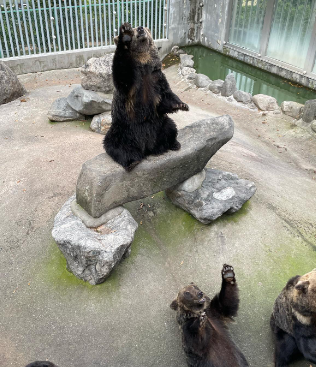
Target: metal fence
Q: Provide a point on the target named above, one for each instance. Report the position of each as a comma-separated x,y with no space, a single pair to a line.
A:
31,27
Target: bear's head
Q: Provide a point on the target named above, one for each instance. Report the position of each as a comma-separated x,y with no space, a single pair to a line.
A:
142,41
190,299
304,294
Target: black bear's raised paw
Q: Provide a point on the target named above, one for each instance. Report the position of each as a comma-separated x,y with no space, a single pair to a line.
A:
176,146
181,107
228,274
126,32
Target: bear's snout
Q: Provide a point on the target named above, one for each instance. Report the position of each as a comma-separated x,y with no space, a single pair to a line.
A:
140,30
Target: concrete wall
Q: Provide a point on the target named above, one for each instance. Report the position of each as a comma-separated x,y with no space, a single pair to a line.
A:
215,23
69,59
287,72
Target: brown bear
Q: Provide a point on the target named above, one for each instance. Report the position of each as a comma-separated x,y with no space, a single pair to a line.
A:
205,338
293,320
141,101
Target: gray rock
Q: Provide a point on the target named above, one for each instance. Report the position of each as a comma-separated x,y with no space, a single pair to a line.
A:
193,183
91,222
187,71
242,97
61,111
10,86
191,76
202,81
177,51
309,111
186,61
216,86
292,109
103,184
313,126
229,86
221,192
88,102
101,123
92,254
265,103
97,74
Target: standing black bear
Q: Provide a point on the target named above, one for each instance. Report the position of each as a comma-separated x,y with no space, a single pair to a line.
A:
293,320
141,100
205,338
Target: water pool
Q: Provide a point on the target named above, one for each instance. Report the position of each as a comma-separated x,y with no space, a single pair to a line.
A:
249,78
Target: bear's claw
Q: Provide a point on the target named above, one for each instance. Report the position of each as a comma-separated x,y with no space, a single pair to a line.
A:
203,319
181,107
228,273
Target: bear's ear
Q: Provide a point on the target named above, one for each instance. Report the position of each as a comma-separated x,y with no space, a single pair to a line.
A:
116,40
302,286
174,305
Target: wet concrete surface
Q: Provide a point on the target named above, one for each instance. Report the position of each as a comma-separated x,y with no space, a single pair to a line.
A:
46,313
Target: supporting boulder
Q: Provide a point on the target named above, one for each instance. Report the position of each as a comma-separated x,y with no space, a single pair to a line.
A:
103,184
92,253
207,199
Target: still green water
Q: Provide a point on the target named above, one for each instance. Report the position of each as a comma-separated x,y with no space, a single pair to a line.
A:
249,78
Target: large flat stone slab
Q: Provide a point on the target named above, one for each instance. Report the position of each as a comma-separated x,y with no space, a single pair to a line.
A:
92,253
103,184
220,192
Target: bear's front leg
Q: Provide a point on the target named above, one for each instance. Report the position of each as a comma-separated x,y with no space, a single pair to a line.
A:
123,63
169,102
226,302
285,348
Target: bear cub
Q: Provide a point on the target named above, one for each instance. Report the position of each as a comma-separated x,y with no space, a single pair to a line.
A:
205,338
293,320
141,101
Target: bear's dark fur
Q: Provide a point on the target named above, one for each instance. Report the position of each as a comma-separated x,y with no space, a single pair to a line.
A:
293,320
206,340
141,100
41,364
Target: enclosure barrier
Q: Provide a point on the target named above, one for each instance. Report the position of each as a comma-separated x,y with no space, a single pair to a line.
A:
283,30
32,27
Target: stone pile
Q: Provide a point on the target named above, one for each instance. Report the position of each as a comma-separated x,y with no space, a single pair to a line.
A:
92,98
304,115
10,86
225,88
95,232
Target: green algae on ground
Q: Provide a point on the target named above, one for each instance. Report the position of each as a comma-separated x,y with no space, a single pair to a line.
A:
76,123
54,272
235,217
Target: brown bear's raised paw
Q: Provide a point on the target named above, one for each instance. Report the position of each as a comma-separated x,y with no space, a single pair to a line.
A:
228,274
126,32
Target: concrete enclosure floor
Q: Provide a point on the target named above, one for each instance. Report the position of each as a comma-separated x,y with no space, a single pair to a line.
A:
46,313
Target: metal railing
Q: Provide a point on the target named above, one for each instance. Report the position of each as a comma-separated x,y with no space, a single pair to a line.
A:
31,27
